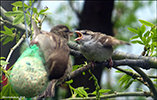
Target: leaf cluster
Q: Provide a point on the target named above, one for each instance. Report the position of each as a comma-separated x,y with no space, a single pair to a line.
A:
146,38
81,91
17,11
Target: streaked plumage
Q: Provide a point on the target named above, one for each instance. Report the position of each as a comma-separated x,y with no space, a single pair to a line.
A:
57,56
96,46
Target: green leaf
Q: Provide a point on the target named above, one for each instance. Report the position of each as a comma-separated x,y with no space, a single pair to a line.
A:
4,32
128,84
69,82
83,73
7,90
3,38
82,91
144,40
152,48
14,8
19,4
148,40
2,57
146,23
104,90
143,28
3,62
137,41
76,67
146,34
13,13
27,19
133,30
124,79
8,31
8,39
43,10
18,19
35,10
134,37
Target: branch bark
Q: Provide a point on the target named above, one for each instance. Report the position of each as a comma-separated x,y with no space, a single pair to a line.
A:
118,94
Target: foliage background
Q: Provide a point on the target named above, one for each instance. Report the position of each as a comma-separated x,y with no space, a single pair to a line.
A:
125,14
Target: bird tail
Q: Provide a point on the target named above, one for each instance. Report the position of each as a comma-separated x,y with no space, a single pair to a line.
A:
123,42
49,92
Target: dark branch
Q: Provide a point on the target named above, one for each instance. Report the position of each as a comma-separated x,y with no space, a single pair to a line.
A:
113,95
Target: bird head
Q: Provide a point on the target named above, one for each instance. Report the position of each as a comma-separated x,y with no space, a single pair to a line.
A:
84,36
62,31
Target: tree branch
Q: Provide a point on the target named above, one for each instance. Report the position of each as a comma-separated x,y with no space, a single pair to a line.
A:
118,94
133,75
146,79
9,20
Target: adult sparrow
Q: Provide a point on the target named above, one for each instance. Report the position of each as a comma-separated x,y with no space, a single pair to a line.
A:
56,53
97,47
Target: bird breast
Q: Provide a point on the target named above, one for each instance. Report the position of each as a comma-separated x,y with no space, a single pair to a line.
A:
94,51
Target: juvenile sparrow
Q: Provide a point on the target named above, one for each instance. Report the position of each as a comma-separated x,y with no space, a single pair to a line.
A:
56,54
97,47
62,31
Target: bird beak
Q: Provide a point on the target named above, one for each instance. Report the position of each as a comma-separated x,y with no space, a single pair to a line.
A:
71,33
79,34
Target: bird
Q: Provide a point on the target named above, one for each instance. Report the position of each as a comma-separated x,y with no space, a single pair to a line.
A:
56,54
96,46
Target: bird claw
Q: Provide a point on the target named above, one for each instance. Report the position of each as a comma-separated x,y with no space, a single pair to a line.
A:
110,63
92,64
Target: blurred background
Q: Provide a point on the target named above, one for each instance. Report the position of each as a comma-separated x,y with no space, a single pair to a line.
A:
109,17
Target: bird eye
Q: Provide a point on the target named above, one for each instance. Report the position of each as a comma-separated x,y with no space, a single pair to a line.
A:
85,33
66,31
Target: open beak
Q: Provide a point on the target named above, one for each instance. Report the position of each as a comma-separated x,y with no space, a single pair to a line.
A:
79,34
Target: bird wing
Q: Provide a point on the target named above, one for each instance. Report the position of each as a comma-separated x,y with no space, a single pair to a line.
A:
106,40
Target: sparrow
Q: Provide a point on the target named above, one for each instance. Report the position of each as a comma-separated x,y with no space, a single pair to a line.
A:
56,54
62,31
96,46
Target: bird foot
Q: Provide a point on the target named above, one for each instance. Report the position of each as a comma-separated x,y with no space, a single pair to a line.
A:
92,64
110,63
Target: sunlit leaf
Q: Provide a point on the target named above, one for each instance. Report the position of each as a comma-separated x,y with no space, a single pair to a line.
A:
133,30
35,10
143,28
69,82
146,23
3,62
82,91
8,30
146,34
152,48
144,40
134,37
43,10
104,90
13,13
19,4
136,41
2,57
76,67
18,19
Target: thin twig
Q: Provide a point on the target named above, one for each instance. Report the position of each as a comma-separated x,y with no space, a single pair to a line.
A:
12,49
113,95
146,79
